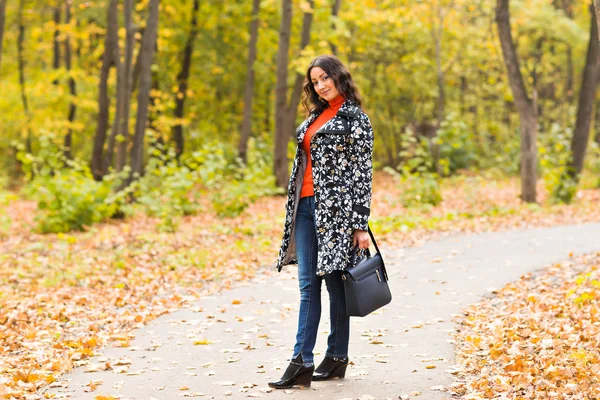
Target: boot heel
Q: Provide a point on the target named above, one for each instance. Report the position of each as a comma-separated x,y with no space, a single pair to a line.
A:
304,379
340,372
331,368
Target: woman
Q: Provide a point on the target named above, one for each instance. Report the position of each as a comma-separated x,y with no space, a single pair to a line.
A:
329,196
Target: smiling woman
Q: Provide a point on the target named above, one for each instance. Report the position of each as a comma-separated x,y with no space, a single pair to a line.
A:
329,199
323,84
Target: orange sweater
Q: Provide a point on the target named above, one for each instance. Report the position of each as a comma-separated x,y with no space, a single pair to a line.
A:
326,115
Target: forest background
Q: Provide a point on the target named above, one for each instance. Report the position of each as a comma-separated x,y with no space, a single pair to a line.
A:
195,95
145,145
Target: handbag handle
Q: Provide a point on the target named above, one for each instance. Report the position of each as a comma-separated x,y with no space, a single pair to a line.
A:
355,249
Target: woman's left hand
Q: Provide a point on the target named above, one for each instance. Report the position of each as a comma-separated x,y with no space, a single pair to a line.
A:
361,239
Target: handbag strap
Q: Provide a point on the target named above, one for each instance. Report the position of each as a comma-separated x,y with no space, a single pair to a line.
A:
373,239
378,252
353,256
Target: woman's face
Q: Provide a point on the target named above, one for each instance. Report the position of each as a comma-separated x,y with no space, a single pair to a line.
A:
323,84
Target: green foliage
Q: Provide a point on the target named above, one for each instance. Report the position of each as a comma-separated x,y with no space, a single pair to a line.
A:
234,186
593,163
505,158
68,197
555,158
423,189
415,155
165,190
420,185
5,219
456,147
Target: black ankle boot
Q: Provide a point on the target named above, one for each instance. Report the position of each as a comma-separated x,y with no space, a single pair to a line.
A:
298,373
331,368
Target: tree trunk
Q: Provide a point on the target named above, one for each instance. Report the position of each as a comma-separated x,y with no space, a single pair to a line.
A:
20,40
153,112
124,137
437,29
103,100
597,123
72,87
2,21
335,10
297,90
597,12
249,90
285,114
570,70
121,87
281,134
587,94
524,104
56,58
182,79
136,67
147,50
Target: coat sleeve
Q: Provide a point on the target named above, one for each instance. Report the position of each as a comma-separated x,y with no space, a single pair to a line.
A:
361,157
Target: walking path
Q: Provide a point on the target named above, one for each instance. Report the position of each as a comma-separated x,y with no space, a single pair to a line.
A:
231,345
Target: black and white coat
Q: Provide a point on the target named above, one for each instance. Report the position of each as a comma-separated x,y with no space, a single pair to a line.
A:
342,169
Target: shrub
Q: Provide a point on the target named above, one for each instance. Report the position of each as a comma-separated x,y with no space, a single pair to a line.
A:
5,219
420,190
418,181
165,189
68,196
555,157
456,149
233,185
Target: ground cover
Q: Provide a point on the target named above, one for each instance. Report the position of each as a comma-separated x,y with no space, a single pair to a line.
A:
64,296
536,338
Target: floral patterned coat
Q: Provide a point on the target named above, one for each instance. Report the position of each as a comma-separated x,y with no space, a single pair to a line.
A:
342,168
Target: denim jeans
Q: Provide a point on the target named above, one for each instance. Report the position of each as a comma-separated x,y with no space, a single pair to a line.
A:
310,292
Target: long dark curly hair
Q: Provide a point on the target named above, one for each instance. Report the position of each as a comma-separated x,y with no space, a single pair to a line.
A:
336,70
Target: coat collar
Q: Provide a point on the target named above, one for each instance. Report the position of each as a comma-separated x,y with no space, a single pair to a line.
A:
348,109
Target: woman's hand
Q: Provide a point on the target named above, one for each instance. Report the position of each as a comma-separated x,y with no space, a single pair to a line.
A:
361,239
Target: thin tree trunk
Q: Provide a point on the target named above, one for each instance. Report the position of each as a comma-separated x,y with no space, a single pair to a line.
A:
72,86
249,90
280,167
525,105
297,90
2,21
597,12
268,107
103,100
148,45
285,114
335,10
585,107
121,87
462,95
124,137
135,79
597,123
182,79
437,29
56,55
153,112
20,40
570,70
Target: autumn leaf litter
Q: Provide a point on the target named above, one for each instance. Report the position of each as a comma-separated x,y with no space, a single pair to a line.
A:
64,297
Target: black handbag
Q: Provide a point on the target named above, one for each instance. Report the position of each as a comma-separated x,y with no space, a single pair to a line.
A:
366,283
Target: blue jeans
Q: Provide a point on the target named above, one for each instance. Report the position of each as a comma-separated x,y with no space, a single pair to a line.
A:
310,292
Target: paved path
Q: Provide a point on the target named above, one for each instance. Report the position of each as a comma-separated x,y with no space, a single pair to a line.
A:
251,328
